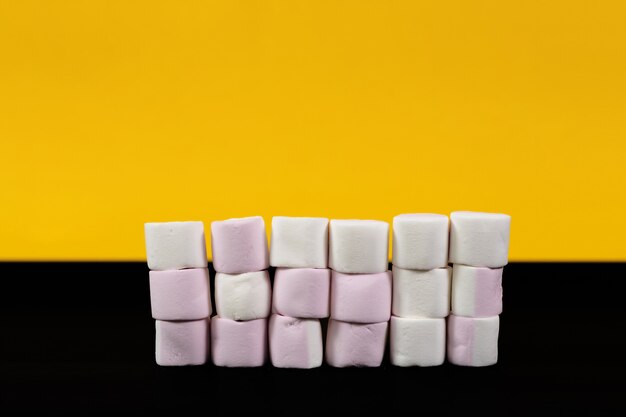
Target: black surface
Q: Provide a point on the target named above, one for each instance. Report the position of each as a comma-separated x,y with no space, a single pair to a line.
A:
77,338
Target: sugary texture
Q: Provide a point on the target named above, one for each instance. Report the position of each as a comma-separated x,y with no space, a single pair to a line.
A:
419,294
175,245
239,245
360,298
295,343
352,344
182,342
417,342
359,246
180,294
479,239
420,241
302,292
299,242
476,292
245,296
238,343
473,341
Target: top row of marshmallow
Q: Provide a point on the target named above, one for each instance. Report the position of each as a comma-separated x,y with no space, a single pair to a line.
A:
420,241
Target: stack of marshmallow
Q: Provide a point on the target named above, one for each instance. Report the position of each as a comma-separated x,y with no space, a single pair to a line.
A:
299,251
421,290
479,246
179,291
360,295
243,292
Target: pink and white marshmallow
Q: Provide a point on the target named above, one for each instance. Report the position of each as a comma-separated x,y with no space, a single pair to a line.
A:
361,298
417,341
238,343
302,292
359,246
418,294
479,239
299,242
245,296
239,245
175,245
473,341
353,344
180,294
476,292
181,343
420,241
295,343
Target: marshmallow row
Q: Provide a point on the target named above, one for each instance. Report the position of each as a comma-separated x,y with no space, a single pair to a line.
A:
299,251
479,246
360,295
243,292
180,296
421,290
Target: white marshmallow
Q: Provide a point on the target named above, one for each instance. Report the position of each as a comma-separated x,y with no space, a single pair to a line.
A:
175,245
299,242
476,292
244,296
479,239
418,294
473,341
417,342
420,241
359,246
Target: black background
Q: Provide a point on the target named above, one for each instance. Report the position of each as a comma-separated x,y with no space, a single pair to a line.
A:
77,338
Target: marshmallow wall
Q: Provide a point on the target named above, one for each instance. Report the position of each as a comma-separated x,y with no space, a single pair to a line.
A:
442,298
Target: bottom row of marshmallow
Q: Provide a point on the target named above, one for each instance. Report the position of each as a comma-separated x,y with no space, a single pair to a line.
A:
298,343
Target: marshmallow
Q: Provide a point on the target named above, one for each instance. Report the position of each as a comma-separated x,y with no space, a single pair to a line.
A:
479,239
302,292
420,241
351,344
238,343
476,292
239,245
364,298
417,342
421,293
295,343
175,245
359,246
180,294
182,342
473,341
299,242
243,296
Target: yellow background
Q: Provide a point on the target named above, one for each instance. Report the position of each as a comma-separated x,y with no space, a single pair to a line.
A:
114,113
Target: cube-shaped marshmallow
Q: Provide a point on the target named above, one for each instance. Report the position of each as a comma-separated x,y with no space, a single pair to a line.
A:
360,298
353,344
245,296
182,342
302,292
180,294
420,241
238,343
473,341
175,245
295,343
476,292
417,342
359,246
479,239
239,245
299,242
418,294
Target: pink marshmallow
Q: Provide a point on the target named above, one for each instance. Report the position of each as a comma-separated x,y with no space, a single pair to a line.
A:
295,343
476,292
302,292
180,294
238,343
361,298
473,341
182,342
351,344
239,245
